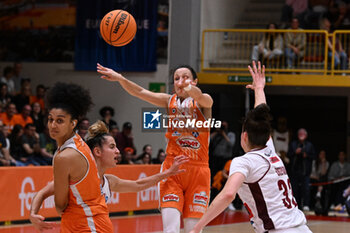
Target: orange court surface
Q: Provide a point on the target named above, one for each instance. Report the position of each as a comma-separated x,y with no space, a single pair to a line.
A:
229,221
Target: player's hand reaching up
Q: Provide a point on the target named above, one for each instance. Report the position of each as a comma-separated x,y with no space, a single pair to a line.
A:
109,74
258,75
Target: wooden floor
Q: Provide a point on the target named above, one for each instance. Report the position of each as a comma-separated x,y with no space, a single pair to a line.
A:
229,221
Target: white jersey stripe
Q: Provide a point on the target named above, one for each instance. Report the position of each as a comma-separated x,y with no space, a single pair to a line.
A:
86,208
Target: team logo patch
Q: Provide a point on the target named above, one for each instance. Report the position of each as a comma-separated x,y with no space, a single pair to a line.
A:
200,198
188,142
274,159
195,134
268,153
171,197
176,134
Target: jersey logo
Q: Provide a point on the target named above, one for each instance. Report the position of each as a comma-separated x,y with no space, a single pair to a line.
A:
195,134
200,198
274,159
188,142
171,197
281,171
176,134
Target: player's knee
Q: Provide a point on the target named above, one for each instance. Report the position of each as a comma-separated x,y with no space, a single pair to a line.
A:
171,220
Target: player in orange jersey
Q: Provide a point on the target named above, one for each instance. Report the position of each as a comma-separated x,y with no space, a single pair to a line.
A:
78,197
106,154
187,193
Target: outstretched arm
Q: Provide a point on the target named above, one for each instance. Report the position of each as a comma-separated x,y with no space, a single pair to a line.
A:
124,186
158,99
258,75
221,201
36,219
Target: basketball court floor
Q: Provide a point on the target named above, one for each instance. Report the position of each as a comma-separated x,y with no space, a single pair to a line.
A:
229,221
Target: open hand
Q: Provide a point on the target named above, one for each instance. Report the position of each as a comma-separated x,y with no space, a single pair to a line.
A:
175,168
39,223
258,75
108,73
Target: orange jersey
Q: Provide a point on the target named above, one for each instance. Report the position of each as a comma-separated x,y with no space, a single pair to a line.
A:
18,119
86,210
192,142
34,98
7,121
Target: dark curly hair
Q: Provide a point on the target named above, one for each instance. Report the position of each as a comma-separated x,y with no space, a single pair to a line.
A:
70,97
257,125
105,109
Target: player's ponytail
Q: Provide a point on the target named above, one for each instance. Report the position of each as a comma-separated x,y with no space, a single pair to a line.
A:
257,125
97,131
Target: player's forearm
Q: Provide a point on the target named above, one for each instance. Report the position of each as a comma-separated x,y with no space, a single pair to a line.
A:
37,202
147,182
39,198
203,99
259,96
131,87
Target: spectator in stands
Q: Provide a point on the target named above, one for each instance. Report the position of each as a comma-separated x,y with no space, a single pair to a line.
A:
5,98
341,20
7,117
340,57
125,138
22,98
339,169
127,155
48,145
24,117
31,146
318,174
5,157
295,44
114,130
8,79
16,149
107,113
281,138
145,159
39,97
301,153
293,8
221,148
147,149
270,47
17,78
318,10
83,128
160,157
37,117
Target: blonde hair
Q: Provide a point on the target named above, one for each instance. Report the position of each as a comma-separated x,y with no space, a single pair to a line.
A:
98,128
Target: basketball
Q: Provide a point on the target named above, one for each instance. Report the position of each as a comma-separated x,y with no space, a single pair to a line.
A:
118,28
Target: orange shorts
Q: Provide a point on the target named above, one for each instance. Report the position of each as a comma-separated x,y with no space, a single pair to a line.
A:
188,192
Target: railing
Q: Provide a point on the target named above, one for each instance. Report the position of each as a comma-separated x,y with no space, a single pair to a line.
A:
233,49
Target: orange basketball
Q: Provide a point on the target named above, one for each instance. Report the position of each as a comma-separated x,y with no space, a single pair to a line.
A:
118,28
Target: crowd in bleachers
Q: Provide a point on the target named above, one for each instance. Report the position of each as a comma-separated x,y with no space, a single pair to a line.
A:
277,49
24,137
